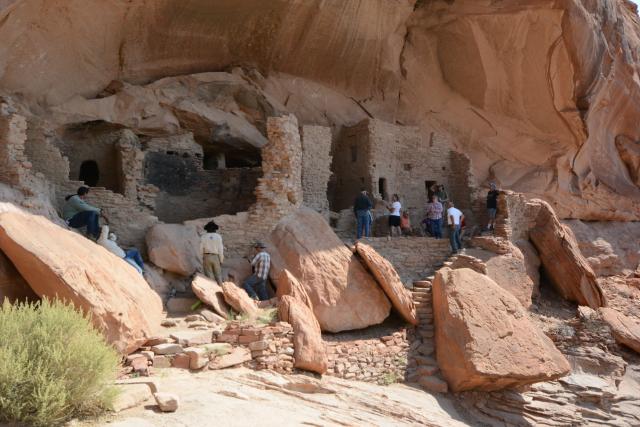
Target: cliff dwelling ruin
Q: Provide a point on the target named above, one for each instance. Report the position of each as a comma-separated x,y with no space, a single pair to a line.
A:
257,124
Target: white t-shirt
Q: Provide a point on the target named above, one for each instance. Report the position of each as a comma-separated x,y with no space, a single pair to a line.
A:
396,206
456,214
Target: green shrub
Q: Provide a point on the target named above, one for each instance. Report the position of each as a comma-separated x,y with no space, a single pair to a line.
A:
53,364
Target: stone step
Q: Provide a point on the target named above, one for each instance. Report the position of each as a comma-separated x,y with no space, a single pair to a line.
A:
426,349
425,360
427,370
422,284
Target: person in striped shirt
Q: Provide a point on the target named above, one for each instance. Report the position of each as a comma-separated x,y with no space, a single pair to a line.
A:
256,284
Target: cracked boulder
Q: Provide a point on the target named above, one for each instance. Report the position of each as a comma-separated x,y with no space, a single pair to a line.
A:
61,264
343,294
484,339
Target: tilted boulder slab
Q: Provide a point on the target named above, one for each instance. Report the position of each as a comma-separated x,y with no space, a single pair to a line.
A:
174,247
210,293
309,351
344,295
484,339
61,264
626,330
239,299
389,280
562,260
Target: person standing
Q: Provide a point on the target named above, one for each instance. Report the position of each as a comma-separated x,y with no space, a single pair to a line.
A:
256,284
443,197
492,205
394,216
212,252
361,208
455,221
78,213
434,217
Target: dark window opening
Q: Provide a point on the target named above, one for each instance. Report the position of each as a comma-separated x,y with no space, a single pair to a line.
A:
354,153
382,188
431,140
89,173
429,186
408,166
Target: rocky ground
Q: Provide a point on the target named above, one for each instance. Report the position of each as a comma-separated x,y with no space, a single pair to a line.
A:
241,397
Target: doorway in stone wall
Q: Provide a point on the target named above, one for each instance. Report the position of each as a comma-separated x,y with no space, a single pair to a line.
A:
428,187
89,173
383,190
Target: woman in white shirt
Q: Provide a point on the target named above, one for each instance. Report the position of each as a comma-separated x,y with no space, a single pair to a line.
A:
394,216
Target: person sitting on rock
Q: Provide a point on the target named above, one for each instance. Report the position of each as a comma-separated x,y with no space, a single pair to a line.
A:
256,284
78,213
132,256
212,252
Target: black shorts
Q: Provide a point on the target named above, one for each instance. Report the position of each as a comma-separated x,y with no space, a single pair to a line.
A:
394,221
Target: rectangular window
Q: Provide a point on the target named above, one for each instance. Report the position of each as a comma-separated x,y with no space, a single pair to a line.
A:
354,153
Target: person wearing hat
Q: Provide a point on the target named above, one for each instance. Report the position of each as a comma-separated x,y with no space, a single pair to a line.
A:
256,284
212,252
492,205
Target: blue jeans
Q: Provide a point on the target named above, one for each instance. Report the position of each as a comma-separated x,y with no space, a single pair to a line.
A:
364,223
90,219
133,264
255,284
134,255
454,237
435,228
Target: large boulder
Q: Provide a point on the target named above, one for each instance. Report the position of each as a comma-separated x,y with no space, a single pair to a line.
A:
389,280
626,330
58,263
238,299
562,260
343,293
210,293
484,339
295,307
175,248
12,285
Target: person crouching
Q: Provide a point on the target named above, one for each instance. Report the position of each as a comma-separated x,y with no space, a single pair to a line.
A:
256,284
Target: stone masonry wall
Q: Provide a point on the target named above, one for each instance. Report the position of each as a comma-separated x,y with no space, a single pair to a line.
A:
382,360
516,216
316,166
396,159
13,161
278,194
350,165
414,258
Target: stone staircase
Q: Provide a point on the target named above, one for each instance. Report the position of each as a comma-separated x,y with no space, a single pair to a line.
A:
423,366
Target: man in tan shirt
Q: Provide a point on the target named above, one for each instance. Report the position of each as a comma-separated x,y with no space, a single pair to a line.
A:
212,252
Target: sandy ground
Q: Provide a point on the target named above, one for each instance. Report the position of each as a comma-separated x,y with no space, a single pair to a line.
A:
241,397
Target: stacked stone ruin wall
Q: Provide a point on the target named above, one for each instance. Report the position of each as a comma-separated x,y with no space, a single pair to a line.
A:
516,216
402,160
413,257
350,165
278,193
43,154
316,166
